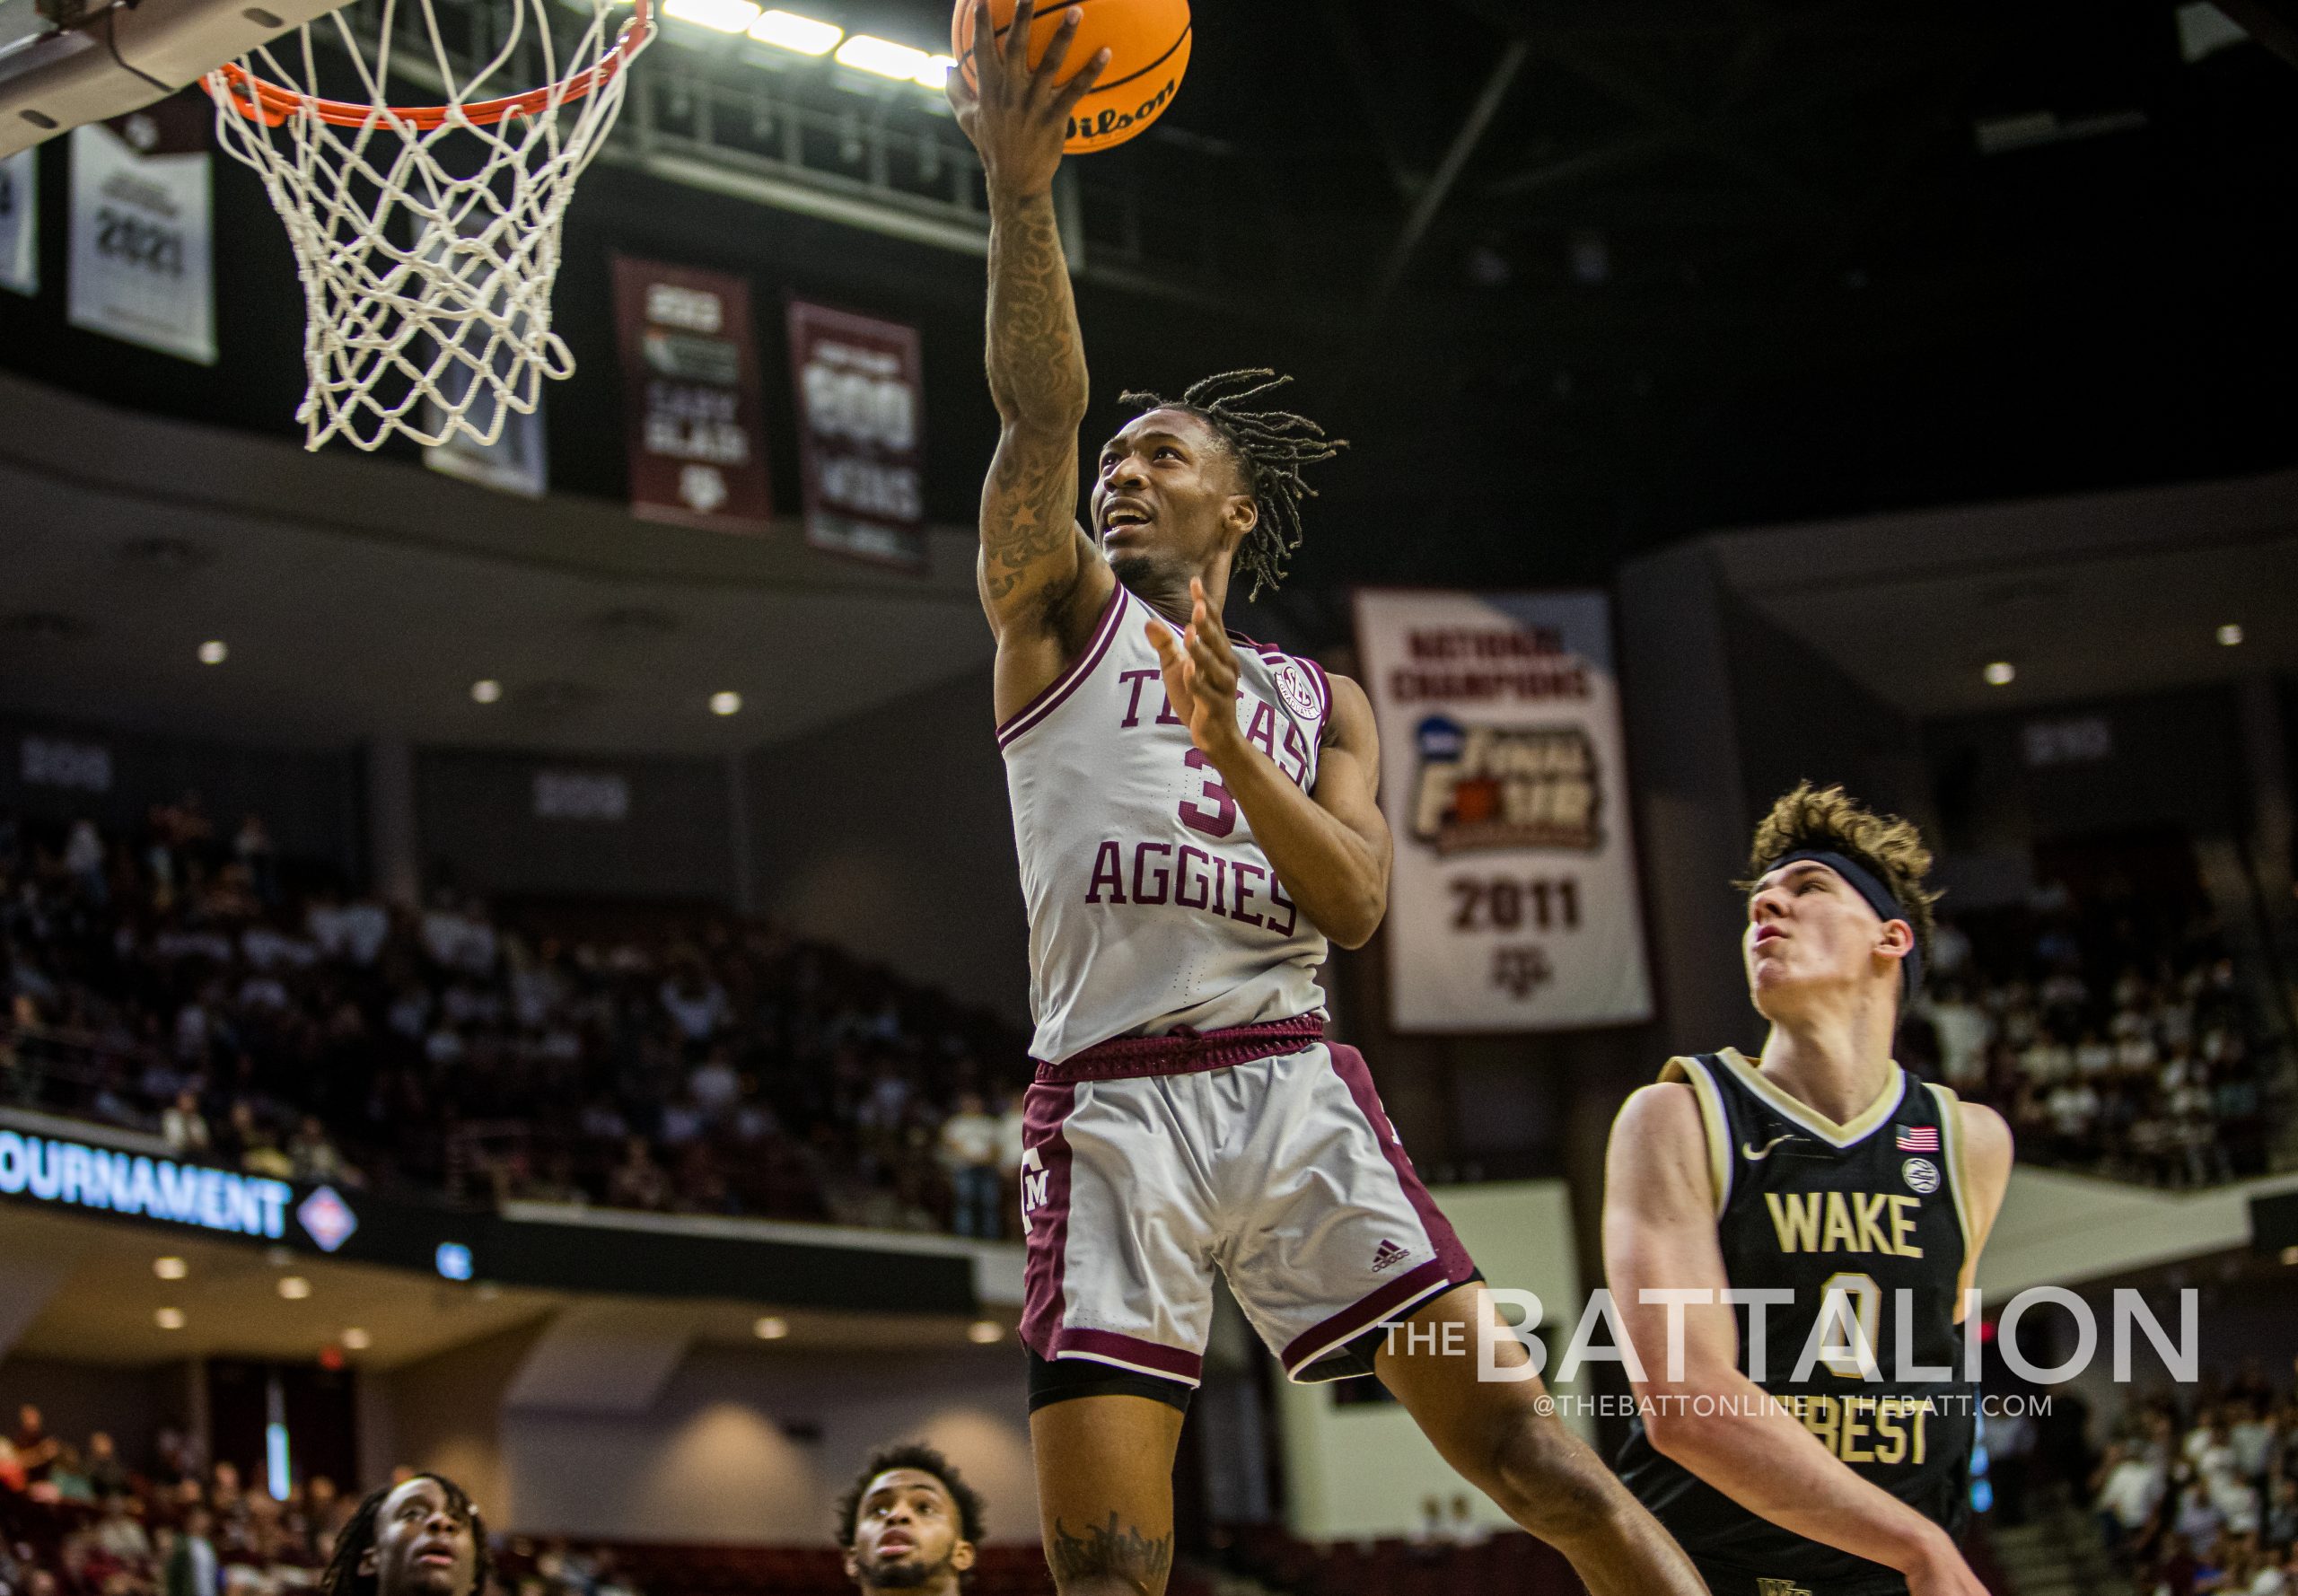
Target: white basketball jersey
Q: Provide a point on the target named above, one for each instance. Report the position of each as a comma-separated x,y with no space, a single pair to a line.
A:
1151,906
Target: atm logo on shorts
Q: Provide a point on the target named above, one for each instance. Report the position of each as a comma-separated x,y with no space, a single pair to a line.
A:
1781,1587
1036,1182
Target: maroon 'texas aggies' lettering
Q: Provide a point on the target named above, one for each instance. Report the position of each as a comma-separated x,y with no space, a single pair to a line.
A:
1190,878
1289,753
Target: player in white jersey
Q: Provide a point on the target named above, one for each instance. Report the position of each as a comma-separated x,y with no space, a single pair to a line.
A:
1195,817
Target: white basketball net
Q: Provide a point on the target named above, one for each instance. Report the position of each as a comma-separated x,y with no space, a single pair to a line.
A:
427,240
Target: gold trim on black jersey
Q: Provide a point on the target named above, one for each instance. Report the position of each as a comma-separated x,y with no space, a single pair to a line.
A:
1951,1148
1712,1118
1850,1133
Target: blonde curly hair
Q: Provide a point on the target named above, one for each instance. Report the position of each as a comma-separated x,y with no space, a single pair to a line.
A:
1830,818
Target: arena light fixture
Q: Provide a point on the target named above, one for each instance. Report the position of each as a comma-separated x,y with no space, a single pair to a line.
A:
486,690
294,1287
213,653
801,36
2290,1255
2230,634
770,1328
720,16
866,52
169,1319
170,1267
984,1332
355,1340
2001,673
726,703
935,73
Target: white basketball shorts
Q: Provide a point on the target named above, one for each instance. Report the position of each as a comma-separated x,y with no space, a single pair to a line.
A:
1261,1152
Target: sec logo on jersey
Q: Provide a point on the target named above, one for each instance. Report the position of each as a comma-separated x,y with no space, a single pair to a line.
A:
1299,693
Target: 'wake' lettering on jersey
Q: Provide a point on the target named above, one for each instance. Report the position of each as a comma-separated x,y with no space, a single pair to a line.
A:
1151,906
1871,1243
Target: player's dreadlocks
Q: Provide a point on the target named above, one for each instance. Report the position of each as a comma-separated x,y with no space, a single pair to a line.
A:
1272,445
343,1577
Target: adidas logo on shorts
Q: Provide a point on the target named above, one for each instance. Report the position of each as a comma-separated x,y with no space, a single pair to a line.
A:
1387,1256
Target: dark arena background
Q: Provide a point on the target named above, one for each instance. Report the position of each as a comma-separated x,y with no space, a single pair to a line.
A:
512,960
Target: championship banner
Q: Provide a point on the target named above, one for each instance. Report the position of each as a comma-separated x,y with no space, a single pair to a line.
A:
1513,905
690,388
142,260
20,222
861,392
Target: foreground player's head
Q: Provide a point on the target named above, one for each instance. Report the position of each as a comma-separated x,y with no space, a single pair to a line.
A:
1836,910
910,1522
1206,485
421,1536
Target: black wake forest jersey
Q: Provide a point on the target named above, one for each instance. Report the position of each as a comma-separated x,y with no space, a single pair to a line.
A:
1862,1211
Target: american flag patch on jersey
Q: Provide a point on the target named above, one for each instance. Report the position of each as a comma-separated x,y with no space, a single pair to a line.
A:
1918,1138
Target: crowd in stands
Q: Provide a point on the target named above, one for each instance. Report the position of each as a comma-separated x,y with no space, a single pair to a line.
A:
177,982
2203,1498
2115,1035
82,1521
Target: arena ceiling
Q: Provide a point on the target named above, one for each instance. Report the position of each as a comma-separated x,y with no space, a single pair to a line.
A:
358,598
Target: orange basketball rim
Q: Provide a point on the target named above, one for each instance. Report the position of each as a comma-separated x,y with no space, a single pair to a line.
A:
272,104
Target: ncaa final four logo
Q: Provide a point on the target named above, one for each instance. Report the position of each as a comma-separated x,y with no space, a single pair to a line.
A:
1484,788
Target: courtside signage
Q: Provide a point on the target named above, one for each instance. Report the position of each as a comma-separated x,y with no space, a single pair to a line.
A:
49,1170
1512,904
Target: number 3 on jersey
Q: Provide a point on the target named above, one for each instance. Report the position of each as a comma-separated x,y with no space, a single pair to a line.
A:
1218,821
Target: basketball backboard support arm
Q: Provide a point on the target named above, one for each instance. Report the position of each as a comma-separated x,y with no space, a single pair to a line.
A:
125,55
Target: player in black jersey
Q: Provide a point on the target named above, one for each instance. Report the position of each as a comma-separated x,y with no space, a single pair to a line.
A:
1811,1435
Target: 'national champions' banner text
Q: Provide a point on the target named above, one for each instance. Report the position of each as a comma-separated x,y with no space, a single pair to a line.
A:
1513,906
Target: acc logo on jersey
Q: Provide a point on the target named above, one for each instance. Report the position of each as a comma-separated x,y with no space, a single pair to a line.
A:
1506,787
1299,693
1922,1175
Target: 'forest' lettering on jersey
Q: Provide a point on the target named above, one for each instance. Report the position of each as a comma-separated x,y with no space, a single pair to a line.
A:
1866,1429
1845,1221
1189,877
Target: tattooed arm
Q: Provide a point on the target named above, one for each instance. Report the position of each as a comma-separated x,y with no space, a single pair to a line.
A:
1042,581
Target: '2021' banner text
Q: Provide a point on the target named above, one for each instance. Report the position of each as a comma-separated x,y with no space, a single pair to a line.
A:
1513,904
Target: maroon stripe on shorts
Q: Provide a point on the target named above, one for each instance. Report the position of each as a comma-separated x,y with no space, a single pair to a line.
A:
1359,1317
1044,1109
1452,1265
1108,1346
1185,1051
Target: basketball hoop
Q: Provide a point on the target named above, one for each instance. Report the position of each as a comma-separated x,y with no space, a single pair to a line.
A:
428,237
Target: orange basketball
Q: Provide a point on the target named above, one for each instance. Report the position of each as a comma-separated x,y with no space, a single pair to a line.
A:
1148,45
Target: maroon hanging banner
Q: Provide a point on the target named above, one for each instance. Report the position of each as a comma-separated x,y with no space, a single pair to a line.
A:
861,435
690,389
